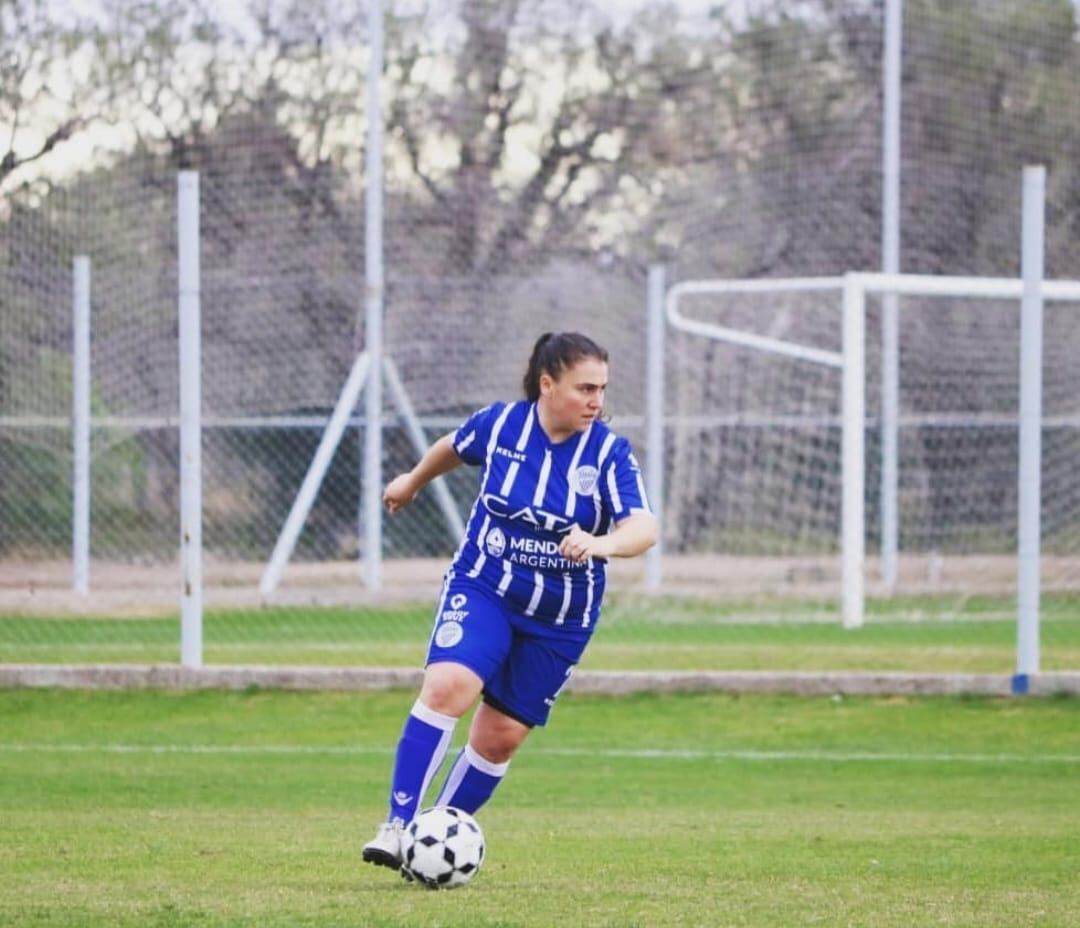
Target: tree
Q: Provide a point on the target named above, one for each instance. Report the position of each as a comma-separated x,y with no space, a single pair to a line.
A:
527,132
49,85
994,90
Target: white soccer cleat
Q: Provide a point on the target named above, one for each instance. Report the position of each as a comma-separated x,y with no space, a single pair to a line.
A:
384,849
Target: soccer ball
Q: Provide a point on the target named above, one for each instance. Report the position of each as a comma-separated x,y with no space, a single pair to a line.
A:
442,847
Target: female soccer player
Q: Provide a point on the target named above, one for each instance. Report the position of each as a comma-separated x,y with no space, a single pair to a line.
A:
560,493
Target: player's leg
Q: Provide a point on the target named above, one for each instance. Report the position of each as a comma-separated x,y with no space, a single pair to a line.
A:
517,697
480,766
458,662
447,692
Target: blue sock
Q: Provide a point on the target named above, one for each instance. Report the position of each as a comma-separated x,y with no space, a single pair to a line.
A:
471,781
420,752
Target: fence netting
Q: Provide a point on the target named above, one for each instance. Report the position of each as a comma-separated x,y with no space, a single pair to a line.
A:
539,156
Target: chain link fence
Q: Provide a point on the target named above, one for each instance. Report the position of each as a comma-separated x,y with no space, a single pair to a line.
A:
540,156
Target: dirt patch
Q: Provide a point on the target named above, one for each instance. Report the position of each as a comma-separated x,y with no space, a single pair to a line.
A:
45,587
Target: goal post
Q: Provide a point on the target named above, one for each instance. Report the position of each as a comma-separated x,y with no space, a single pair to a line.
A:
849,296
850,360
853,454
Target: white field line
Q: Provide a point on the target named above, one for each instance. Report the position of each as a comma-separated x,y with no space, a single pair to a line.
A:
295,750
210,646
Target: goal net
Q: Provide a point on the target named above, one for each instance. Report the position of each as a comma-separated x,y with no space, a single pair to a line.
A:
756,468
754,443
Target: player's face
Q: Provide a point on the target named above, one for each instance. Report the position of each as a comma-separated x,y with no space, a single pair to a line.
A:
576,398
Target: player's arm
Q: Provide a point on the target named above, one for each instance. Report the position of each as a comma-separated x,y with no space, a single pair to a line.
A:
632,536
439,459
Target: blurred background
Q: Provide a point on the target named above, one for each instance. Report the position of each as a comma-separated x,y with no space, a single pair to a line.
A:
540,156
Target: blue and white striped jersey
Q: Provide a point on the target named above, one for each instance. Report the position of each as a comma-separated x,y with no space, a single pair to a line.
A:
532,491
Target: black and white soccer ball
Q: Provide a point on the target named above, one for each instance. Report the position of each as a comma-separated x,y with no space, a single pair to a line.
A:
442,848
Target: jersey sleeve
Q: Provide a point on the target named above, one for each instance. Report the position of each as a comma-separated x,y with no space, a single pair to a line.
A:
622,489
471,438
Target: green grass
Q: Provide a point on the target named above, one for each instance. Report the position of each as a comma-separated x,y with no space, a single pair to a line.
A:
925,634
214,809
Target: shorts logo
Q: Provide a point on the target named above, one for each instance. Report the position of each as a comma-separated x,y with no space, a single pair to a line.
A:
455,613
449,634
584,480
496,542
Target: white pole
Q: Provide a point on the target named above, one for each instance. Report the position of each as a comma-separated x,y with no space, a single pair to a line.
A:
80,429
853,452
1030,485
749,339
373,304
190,421
890,264
654,418
317,469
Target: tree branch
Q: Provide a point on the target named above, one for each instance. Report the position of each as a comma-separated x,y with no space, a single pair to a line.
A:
12,162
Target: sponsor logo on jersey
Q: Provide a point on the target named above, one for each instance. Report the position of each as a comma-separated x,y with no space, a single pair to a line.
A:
449,634
539,554
510,453
583,480
538,518
458,600
534,546
496,542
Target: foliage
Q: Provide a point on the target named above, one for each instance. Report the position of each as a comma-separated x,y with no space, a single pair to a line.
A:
517,128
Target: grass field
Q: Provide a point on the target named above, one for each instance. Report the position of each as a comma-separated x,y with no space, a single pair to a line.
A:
216,809
922,635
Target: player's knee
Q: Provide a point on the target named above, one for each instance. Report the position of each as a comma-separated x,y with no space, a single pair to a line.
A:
449,689
496,737
495,751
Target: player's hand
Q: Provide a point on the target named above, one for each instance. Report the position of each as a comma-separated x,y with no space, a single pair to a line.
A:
579,545
399,492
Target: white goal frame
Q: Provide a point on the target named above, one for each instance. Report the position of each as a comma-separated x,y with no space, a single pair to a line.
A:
851,360
855,288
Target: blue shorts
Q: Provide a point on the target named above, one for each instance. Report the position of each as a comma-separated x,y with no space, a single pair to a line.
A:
524,662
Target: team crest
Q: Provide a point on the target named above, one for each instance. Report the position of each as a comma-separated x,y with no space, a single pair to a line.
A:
449,634
584,480
496,542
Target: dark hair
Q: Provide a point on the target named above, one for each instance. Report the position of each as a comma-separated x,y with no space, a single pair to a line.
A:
555,352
